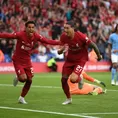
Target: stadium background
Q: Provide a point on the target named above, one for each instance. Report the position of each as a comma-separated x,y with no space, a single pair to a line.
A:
96,18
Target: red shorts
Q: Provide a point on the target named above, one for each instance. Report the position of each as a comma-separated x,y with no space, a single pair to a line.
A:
23,69
70,67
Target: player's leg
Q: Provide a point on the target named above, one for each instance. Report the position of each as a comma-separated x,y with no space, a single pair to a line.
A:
117,75
65,88
76,75
75,78
27,85
113,69
117,72
113,73
15,81
24,92
67,70
20,74
22,78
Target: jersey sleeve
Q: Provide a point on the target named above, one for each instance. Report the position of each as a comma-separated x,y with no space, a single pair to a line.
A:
47,41
85,39
62,39
9,35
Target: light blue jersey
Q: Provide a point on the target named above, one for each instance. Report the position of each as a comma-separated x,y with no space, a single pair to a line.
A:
113,39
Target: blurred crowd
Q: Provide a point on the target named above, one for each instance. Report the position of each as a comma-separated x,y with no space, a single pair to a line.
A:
95,18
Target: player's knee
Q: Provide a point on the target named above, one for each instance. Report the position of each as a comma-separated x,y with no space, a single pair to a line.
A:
73,78
115,66
22,78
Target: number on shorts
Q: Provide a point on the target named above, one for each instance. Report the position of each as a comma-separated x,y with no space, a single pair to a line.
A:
32,70
79,68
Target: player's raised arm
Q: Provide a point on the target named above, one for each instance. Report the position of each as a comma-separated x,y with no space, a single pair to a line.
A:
93,45
47,41
8,35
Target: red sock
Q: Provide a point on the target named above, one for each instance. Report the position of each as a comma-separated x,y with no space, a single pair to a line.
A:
26,88
65,87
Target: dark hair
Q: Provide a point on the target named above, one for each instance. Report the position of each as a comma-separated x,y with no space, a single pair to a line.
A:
115,29
29,22
72,24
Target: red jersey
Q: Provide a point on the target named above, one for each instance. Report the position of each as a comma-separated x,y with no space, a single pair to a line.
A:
25,45
77,47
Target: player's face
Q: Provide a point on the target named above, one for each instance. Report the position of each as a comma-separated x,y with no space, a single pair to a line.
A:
68,30
30,29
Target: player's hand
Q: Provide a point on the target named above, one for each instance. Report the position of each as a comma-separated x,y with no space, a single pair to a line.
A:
60,51
102,83
99,57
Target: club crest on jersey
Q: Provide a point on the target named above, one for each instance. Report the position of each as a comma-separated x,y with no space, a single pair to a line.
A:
22,47
87,38
77,45
32,42
23,42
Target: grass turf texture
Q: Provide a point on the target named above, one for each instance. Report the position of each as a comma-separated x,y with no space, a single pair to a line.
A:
46,96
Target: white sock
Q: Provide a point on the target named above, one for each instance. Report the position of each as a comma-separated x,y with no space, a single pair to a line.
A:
97,81
21,97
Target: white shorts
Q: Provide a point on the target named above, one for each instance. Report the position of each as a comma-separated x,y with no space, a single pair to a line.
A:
114,58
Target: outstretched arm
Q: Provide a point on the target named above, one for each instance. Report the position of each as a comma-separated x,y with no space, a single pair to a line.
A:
93,45
8,35
89,78
48,41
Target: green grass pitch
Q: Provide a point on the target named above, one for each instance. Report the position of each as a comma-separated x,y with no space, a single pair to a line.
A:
46,96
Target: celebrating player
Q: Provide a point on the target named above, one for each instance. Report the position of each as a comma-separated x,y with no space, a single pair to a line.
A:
21,58
77,56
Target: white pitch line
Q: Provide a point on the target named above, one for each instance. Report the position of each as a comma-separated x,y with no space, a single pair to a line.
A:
48,112
10,85
107,113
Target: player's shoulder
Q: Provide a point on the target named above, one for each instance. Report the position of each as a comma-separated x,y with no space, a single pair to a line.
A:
80,33
112,34
63,36
37,35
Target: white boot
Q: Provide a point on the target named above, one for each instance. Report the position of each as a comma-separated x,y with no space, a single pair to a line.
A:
116,83
22,100
113,83
68,101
